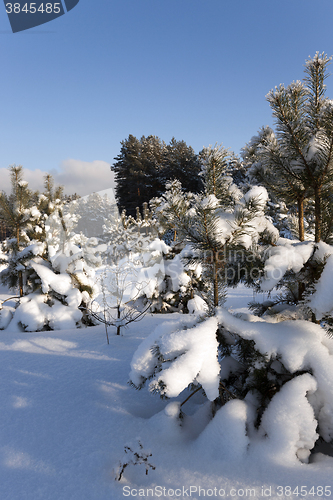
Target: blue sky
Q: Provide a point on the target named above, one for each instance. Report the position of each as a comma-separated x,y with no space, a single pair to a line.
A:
198,70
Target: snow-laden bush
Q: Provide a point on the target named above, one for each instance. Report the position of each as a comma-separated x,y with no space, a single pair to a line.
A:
55,303
291,348
214,227
278,376
57,279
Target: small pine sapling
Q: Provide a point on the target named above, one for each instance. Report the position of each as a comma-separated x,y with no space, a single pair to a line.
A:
134,457
115,306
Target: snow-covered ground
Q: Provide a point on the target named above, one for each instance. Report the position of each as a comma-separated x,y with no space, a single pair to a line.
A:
67,412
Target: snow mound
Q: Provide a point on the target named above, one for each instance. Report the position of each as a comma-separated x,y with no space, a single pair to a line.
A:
225,436
288,425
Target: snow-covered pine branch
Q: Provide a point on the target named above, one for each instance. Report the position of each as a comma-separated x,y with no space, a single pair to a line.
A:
175,356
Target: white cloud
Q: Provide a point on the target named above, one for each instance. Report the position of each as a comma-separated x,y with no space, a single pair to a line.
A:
83,177
5,181
77,176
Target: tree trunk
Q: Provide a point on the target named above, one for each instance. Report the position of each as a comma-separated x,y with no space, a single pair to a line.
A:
313,319
106,332
317,214
301,290
20,277
300,205
20,274
118,316
215,278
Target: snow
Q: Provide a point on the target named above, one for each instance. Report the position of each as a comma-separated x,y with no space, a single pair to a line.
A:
67,412
321,301
301,345
290,255
286,256
22,184
313,148
197,305
225,435
259,193
225,225
143,361
60,283
323,250
289,423
197,351
210,201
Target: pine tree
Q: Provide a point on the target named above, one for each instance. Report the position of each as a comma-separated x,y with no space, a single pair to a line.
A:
295,163
144,166
14,212
220,218
46,265
183,164
137,172
304,137
218,163
34,210
266,165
